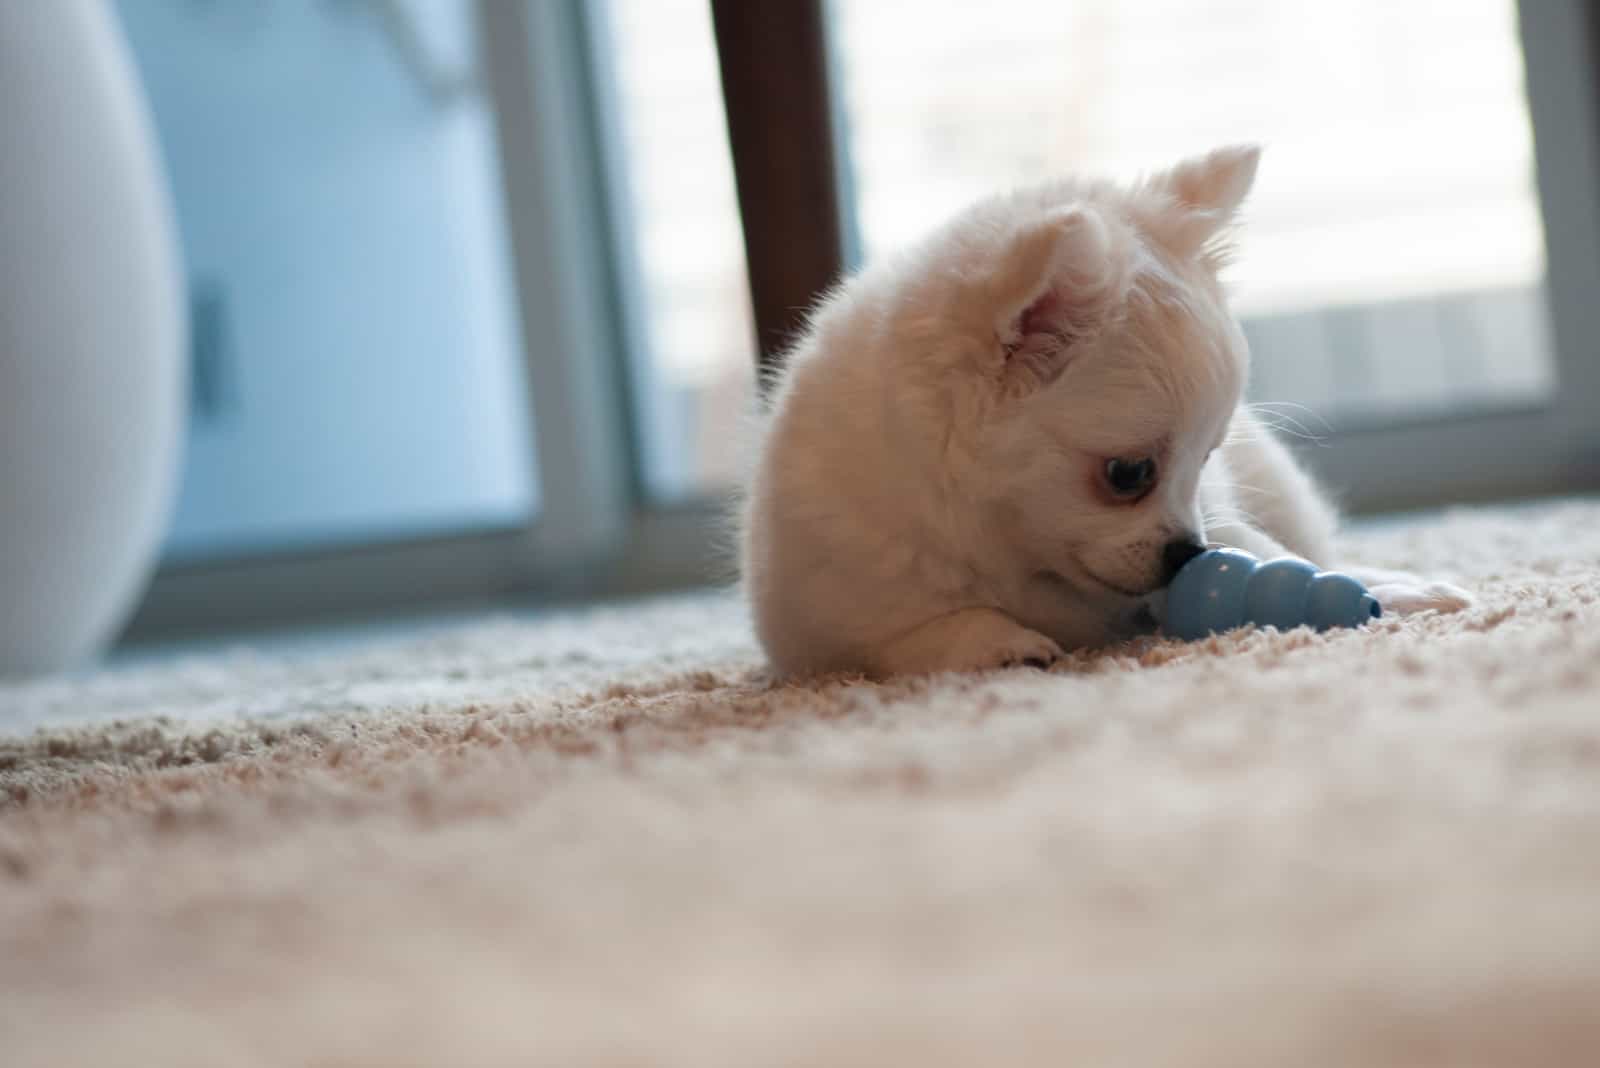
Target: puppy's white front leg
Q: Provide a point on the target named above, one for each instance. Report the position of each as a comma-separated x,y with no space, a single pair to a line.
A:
1399,592
972,639
1403,593
1290,505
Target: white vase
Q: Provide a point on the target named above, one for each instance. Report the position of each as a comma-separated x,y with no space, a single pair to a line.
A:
92,335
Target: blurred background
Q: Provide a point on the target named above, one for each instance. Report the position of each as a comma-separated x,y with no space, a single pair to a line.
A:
466,281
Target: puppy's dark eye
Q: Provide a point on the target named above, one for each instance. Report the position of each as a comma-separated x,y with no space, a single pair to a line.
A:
1128,480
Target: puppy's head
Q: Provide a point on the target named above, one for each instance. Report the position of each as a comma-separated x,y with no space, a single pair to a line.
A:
1090,367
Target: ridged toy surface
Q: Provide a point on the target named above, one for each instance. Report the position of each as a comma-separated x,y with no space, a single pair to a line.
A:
1226,588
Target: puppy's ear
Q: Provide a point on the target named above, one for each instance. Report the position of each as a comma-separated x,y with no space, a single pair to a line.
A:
1206,193
1059,279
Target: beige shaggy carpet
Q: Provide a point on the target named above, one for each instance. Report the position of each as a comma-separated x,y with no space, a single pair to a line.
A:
606,839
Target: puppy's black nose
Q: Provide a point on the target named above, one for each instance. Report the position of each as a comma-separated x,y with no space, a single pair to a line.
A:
1176,553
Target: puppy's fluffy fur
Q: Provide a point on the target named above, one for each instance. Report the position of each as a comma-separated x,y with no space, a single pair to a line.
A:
996,445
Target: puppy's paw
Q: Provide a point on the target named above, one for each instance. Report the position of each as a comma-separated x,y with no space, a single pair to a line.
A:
1406,598
1404,594
974,639
1031,650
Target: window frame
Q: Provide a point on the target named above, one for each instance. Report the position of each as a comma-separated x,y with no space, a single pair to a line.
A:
1522,450
594,536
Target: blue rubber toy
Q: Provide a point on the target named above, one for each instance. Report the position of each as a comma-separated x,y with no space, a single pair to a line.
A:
1225,588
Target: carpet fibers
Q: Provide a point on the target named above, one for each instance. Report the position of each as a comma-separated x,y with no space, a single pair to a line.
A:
608,839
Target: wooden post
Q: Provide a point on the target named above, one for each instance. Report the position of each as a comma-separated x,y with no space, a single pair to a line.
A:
776,92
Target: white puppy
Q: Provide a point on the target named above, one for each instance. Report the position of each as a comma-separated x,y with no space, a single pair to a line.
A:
1004,442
